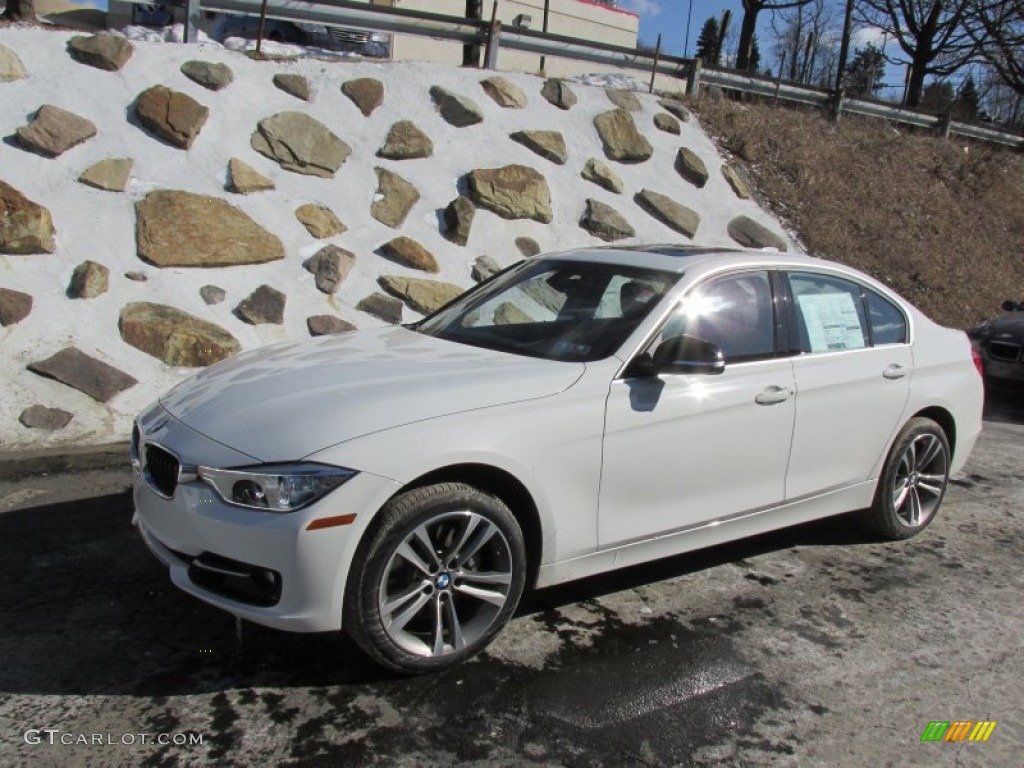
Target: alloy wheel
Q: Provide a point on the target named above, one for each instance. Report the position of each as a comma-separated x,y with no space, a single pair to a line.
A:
920,480
445,584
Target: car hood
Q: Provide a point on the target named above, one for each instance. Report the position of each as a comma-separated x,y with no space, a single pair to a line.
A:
286,401
1010,325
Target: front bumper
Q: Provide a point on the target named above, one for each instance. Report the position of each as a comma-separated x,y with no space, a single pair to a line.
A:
266,567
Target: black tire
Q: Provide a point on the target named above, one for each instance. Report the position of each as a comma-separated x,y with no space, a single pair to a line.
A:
913,481
414,608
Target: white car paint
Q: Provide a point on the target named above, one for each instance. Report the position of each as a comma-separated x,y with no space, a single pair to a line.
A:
619,470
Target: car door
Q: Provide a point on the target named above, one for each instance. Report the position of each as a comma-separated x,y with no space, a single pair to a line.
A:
853,365
681,450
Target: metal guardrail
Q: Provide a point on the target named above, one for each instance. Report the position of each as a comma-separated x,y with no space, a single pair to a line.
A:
823,98
360,15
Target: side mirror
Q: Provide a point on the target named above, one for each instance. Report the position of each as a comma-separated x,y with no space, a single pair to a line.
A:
1012,306
680,354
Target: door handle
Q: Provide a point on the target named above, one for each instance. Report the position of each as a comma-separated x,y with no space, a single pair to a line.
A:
895,371
773,396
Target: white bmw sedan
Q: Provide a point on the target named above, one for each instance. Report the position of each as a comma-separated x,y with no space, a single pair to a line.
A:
577,413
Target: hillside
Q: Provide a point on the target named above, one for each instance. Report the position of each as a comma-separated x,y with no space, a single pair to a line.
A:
940,220
163,206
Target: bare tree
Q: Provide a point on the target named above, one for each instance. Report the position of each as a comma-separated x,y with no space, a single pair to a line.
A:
997,26
21,10
932,33
803,36
751,9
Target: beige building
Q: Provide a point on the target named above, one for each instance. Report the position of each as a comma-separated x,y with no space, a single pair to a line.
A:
584,19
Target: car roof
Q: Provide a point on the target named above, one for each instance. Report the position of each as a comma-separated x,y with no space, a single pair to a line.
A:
672,257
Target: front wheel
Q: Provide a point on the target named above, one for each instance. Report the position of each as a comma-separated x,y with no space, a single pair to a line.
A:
913,481
438,576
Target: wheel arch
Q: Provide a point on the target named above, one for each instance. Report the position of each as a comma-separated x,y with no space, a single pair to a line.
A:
506,487
945,420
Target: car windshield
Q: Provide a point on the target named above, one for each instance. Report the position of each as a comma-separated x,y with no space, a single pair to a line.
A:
558,310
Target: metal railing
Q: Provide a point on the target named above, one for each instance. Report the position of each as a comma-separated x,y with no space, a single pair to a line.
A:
494,36
839,104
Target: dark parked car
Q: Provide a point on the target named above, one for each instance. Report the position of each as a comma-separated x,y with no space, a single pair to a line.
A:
360,41
1000,342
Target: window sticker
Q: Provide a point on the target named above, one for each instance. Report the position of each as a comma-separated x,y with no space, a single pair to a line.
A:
832,321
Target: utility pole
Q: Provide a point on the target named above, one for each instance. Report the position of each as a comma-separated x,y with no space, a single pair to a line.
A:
686,45
844,46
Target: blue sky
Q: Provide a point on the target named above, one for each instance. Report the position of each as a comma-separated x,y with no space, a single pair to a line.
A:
668,17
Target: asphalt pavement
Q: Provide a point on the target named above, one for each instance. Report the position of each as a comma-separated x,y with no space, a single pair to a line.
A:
812,646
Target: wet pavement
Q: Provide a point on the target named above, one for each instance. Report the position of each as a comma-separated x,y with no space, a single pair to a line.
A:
816,645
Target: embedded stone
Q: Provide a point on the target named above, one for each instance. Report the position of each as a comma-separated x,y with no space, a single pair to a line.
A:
330,266
548,144
558,93
244,179
54,131
597,172
676,108
88,281
603,221
175,337
624,99
299,143
407,252
483,268
383,307
504,92
294,85
212,294
394,199
508,313
11,68
211,75
512,192
669,212
406,142
527,246
41,417
136,276
365,92
750,234
736,181
620,137
181,229
78,370
103,51
109,175
667,123
170,115
455,109
319,220
265,305
458,218
25,226
691,167
14,306
423,296
327,325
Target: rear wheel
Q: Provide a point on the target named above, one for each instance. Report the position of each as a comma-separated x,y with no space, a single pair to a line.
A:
913,481
437,578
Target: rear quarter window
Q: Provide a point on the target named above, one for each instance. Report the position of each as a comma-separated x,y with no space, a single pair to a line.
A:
888,323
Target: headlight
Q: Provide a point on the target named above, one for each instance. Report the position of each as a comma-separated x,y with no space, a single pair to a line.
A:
275,487
379,37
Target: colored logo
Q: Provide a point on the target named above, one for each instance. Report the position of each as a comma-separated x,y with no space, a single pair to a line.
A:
958,730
